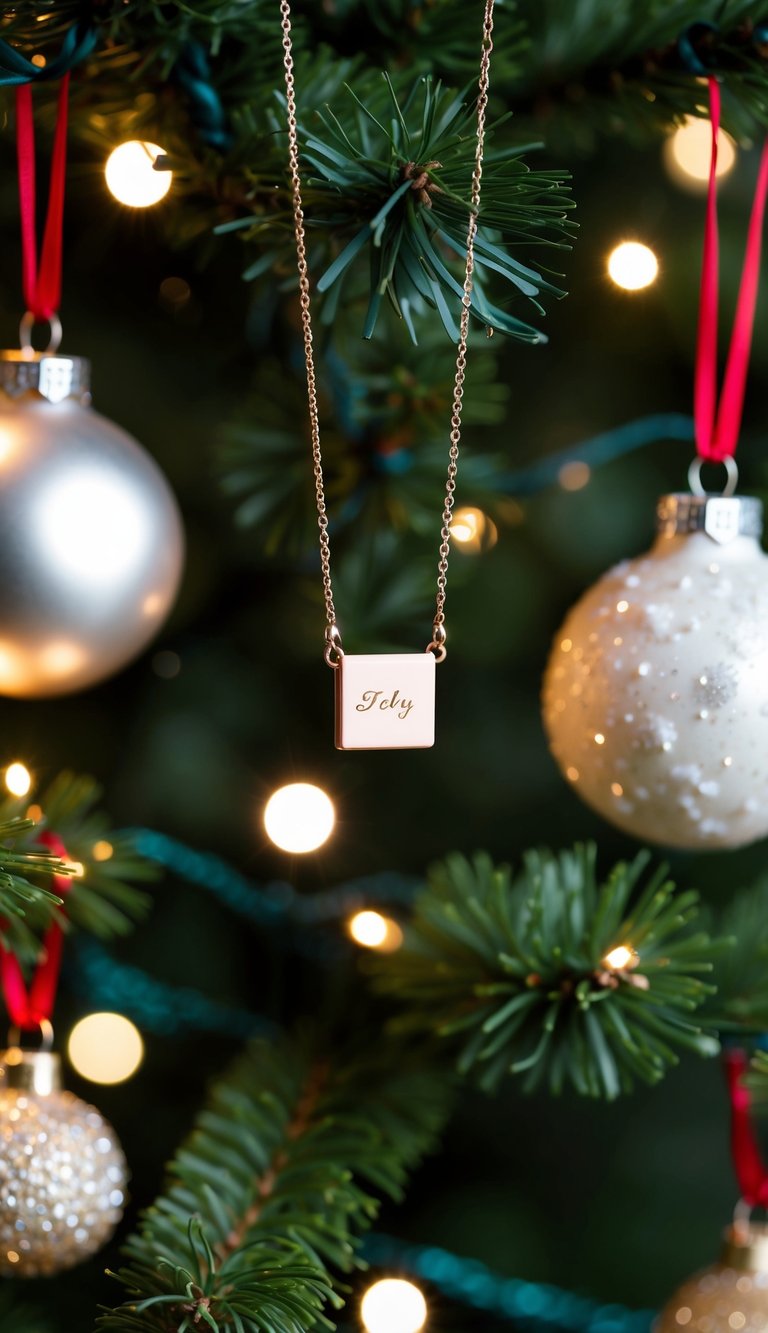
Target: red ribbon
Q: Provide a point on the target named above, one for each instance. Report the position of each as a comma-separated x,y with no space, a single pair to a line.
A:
29,1006
751,1172
41,286
718,426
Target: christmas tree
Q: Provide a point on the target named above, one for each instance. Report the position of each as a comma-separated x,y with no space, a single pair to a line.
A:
423,1016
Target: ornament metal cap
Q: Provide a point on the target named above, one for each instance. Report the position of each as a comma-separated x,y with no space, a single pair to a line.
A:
721,517
745,1247
30,1071
51,376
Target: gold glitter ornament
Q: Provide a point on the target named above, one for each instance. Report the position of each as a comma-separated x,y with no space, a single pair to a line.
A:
729,1297
62,1171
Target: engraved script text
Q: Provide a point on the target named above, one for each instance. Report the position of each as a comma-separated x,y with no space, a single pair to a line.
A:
373,699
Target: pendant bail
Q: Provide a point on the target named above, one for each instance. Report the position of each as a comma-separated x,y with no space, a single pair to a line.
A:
333,649
436,644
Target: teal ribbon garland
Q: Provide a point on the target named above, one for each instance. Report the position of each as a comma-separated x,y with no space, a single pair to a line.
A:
15,69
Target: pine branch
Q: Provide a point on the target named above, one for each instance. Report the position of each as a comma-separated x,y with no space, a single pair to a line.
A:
103,901
633,69
516,973
383,425
25,906
272,1190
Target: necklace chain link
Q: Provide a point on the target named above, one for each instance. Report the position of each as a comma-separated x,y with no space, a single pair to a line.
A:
333,645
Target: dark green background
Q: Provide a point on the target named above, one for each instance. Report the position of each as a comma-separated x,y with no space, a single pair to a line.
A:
620,1201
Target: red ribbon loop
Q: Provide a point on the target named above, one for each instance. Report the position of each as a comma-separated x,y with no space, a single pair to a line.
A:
718,426
748,1161
29,1006
41,286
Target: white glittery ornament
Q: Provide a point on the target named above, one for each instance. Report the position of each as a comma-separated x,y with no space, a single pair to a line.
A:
62,1171
91,543
655,698
729,1297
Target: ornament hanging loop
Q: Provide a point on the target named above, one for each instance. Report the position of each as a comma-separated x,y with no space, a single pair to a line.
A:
731,475
45,1027
26,329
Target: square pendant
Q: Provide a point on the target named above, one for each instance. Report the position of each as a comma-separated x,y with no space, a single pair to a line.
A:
385,701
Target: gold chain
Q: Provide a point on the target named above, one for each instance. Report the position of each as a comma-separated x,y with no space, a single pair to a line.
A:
333,646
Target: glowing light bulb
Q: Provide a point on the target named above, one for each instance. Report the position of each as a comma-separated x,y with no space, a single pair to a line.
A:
102,850
131,176
393,1306
105,1048
374,931
18,779
473,530
687,151
299,817
620,958
632,266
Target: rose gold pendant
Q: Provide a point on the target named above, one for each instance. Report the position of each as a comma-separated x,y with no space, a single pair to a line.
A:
385,701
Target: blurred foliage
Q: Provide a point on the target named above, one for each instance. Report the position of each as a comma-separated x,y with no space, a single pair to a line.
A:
741,973
23,903
383,421
103,900
269,1196
516,971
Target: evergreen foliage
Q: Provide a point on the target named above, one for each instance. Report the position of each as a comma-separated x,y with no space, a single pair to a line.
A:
270,1194
515,971
103,900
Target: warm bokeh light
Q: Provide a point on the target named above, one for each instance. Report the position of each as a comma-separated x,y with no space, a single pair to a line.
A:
473,530
574,476
18,779
619,958
105,1048
166,664
372,930
102,850
632,266
131,175
687,151
393,1306
299,817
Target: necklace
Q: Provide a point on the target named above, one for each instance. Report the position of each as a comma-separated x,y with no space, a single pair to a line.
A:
385,701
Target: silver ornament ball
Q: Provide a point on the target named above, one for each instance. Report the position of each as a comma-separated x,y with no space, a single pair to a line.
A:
62,1171
655,698
91,542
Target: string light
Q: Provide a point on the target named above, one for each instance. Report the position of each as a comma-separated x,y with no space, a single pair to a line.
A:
105,1048
299,817
632,266
574,476
620,958
131,176
393,1305
687,152
473,530
18,779
372,930
102,850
